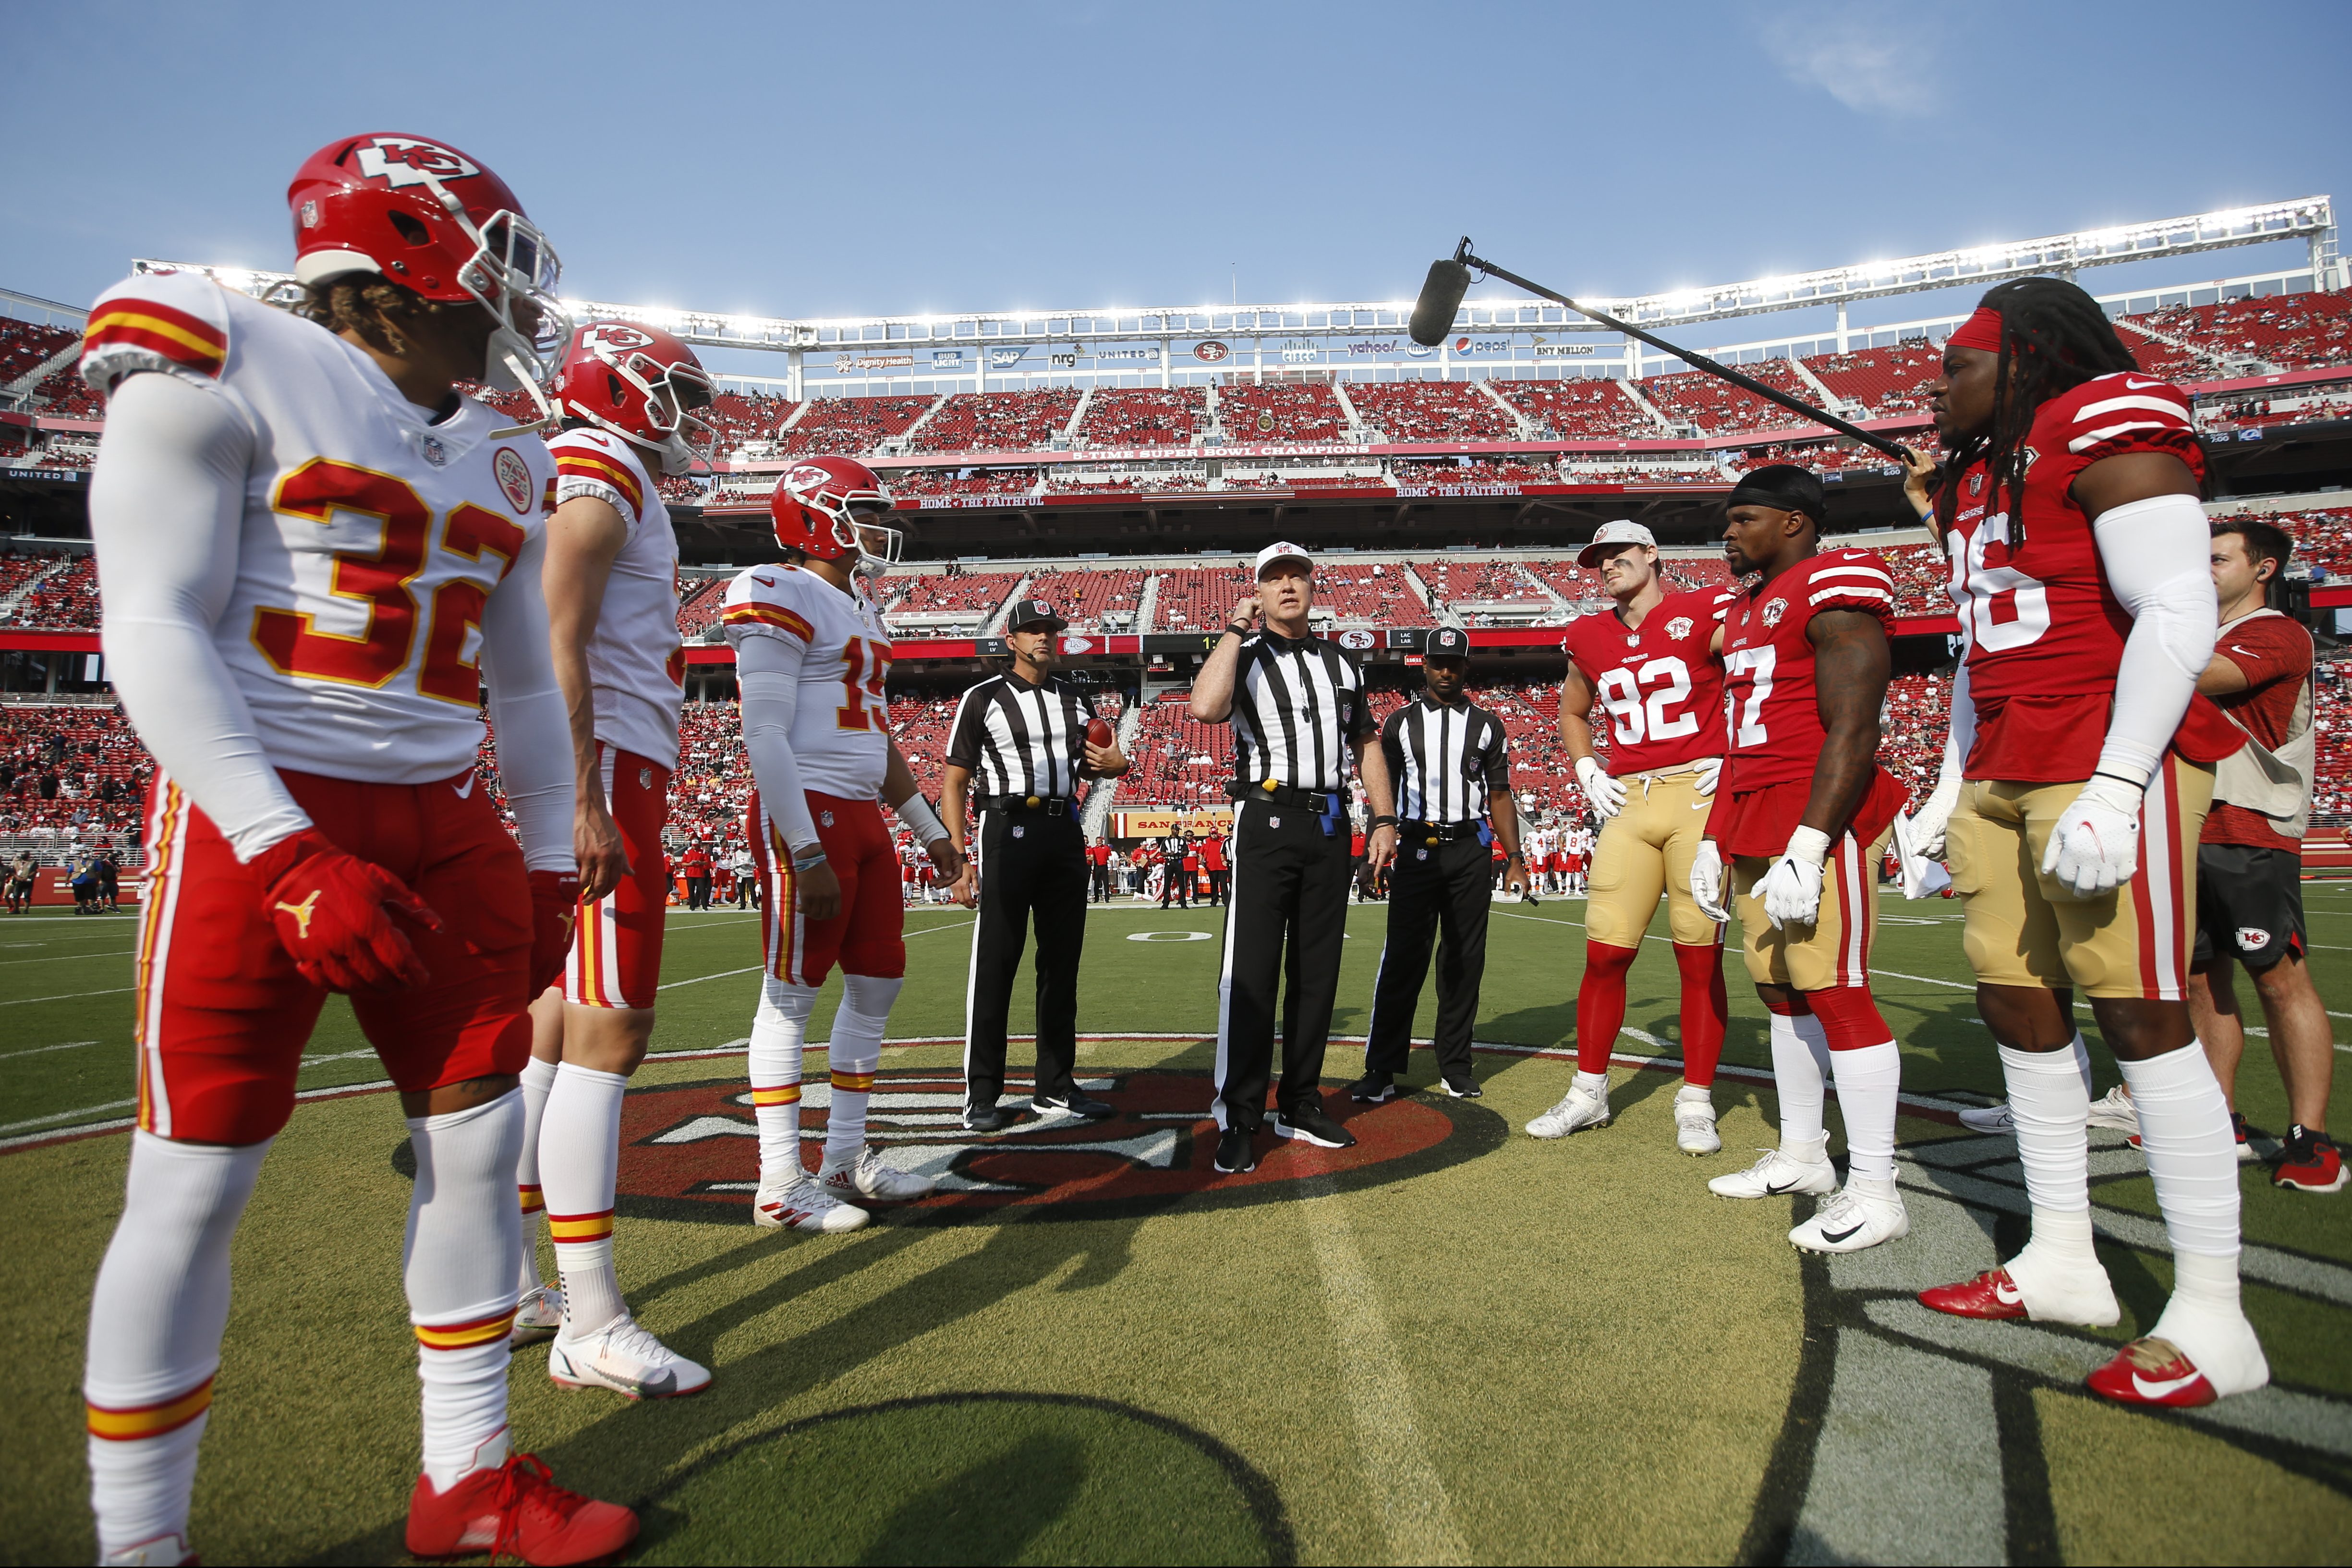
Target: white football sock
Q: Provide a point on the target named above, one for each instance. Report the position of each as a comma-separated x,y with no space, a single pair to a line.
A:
1800,1067
457,1265
1598,1082
2050,1100
2082,1050
2192,1153
1868,1078
854,1052
580,1148
779,1032
537,1078
155,1323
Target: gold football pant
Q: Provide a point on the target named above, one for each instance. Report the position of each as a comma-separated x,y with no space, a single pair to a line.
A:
2025,929
1646,850
1833,951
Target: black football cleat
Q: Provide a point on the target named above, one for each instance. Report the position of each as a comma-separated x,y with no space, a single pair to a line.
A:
989,1117
1463,1088
1373,1089
1309,1125
1237,1149
1073,1102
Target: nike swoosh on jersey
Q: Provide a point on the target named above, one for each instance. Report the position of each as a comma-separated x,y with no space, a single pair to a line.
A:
2162,1386
2136,386
765,582
467,788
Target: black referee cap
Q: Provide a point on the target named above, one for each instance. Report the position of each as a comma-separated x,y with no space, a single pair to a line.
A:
1033,612
1447,642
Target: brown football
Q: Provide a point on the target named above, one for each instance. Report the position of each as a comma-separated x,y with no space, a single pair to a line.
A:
1098,733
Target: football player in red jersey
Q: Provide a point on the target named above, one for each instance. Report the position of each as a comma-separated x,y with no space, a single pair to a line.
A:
1651,664
2083,760
302,526
1801,817
627,395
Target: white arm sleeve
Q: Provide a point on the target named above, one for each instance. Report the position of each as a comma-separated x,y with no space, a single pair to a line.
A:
2156,555
1960,736
528,714
166,509
768,674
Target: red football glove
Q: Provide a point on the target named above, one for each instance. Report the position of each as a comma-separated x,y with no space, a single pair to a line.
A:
554,910
330,909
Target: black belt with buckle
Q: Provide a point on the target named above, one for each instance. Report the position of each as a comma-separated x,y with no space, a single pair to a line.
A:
1320,802
1051,804
1435,833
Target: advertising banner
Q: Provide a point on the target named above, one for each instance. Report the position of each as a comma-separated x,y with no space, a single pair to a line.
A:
1155,823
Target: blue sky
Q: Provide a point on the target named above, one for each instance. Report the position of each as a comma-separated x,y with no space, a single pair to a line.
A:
804,160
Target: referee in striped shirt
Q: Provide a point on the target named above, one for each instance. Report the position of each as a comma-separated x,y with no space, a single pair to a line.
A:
1298,711
1453,774
1020,737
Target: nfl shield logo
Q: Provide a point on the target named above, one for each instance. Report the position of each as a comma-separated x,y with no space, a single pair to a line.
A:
435,452
825,819
1274,821
1019,831
645,778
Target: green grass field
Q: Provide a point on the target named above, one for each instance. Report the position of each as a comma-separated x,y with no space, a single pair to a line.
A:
1454,1344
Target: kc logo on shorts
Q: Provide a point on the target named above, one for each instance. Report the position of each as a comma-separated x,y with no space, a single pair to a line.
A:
2251,939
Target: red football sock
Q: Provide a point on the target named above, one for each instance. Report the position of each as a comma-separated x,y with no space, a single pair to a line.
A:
1849,1017
1600,1004
1705,1010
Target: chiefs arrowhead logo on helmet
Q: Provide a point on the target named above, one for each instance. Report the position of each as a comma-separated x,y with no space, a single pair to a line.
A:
822,504
642,385
406,161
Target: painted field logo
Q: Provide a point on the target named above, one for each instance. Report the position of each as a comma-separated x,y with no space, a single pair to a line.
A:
691,1151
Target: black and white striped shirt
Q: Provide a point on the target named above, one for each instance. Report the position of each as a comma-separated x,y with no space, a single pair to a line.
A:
1017,739
1444,759
1297,701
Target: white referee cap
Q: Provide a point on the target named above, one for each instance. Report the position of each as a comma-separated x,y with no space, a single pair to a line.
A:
1624,531
1285,551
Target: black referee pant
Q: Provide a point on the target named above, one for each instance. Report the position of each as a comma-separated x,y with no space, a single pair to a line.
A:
1032,863
1441,891
1174,884
1286,922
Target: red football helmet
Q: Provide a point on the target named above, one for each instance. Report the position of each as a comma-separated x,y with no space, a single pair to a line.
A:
429,218
641,383
824,507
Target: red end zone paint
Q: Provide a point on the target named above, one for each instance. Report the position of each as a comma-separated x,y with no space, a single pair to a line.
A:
689,1152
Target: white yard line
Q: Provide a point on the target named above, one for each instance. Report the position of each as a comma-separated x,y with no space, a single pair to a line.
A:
65,957
68,997
1415,1510
36,1050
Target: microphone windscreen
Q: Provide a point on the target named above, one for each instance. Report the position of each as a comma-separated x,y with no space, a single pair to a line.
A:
1441,297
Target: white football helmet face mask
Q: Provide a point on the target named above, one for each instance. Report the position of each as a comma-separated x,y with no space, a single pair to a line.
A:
878,545
671,393
512,275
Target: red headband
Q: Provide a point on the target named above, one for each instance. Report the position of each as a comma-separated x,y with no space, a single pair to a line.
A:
1981,330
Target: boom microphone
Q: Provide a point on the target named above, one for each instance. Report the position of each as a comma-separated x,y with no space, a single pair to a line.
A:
1441,297
1448,280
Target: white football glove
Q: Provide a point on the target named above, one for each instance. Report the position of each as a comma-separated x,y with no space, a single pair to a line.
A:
2094,849
1934,816
1607,795
1791,889
1709,771
1709,886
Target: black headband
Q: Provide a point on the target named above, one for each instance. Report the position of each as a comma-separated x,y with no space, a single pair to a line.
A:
1783,486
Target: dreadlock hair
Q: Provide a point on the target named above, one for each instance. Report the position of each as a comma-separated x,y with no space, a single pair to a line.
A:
372,307
2054,338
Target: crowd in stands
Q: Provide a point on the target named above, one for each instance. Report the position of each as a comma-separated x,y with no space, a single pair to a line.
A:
2292,331
922,593
2157,357
1459,583
1175,760
1921,574
1832,457
1585,409
1084,599
25,345
66,600
1280,411
701,600
1063,482
1478,471
1200,598
1890,380
745,417
70,771
998,421
1431,411
2258,413
1718,408
1145,415
1372,592
848,426
922,482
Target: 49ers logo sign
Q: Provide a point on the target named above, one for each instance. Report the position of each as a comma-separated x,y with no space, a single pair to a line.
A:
402,161
691,1151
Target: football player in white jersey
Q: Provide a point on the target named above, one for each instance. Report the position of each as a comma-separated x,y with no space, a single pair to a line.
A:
812,656
626,394
315,551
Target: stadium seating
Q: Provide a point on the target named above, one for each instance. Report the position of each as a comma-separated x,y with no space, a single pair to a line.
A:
1718,408
1458,582
67,601
1592,408
1280,411
1370,595
25,345
70,766
1431,411
2257,413
700,599
918,593
848,426
1177,762
2292,331
1920,576
1144,416
999,421
1478,471
744,417
1198,599
1083,598
1886,381
1829,456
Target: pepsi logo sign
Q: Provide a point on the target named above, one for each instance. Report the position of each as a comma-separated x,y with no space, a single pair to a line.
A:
404,161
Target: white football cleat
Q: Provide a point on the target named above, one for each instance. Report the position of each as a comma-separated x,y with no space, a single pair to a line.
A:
1584,1105
869,1180
1858,1216
1776,1175
1694,1130
2115,1110
539,1314
622,1356
1994,1119
797,1203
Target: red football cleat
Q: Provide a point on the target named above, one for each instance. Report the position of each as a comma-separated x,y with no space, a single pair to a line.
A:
516,1510
2152,1372
2309,1162
1992,1294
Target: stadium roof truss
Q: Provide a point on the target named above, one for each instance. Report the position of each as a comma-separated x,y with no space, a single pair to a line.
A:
995,345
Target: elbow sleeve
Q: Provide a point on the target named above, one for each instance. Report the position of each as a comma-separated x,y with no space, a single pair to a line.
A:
2155,553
